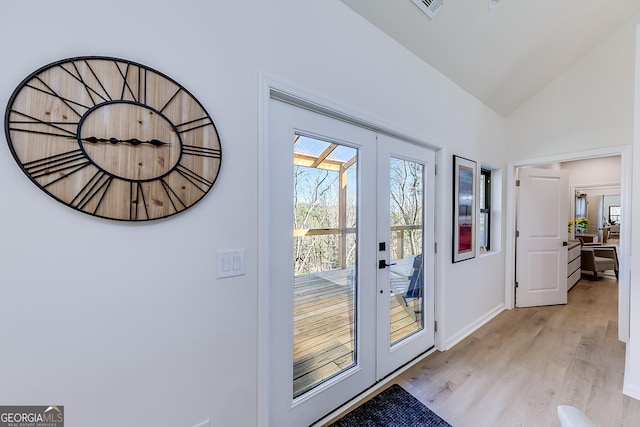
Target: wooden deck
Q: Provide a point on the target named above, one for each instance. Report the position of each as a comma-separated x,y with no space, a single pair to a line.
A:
324,326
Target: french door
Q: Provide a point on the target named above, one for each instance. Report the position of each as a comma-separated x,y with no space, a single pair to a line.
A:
351,277
406,228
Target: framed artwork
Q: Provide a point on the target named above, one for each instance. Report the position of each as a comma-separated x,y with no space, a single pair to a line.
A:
464,209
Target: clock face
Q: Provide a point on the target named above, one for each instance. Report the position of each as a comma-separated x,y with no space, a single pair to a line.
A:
113,138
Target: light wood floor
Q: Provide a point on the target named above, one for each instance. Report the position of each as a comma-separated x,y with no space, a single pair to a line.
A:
516,369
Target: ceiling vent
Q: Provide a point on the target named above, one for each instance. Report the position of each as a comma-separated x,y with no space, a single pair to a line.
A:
429,7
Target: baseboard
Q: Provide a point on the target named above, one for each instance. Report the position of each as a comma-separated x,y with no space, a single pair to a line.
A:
473,327
631,390
628,388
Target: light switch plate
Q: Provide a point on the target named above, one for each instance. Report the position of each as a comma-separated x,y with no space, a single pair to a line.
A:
230,263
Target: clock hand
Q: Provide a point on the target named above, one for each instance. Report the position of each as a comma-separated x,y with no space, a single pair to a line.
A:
132,141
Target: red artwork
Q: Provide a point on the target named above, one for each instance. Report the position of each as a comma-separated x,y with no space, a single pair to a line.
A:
465,212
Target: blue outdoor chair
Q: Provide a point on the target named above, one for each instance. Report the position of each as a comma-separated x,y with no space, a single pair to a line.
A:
414,290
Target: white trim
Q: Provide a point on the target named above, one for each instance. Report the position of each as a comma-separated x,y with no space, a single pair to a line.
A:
578,155
630,389
471,328
510,238
597,187
441,238
303,99
631,385
624,280
262,389
625,153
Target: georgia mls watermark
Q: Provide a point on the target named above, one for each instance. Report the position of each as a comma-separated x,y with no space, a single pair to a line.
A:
32,416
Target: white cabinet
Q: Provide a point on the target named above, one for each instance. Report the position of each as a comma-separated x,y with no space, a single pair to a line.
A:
573,264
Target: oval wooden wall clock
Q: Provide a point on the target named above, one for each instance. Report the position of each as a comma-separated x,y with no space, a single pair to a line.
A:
113,138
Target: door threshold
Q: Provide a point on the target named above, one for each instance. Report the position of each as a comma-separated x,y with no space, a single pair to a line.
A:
357,400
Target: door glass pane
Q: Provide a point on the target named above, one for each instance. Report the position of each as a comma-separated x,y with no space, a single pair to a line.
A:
406,275
325,261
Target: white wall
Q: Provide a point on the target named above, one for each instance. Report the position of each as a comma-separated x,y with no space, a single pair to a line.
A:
597,172
590,108
126,324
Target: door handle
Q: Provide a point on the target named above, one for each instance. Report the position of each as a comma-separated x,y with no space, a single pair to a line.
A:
383,263
565,243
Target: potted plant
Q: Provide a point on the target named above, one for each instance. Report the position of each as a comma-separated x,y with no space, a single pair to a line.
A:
581,225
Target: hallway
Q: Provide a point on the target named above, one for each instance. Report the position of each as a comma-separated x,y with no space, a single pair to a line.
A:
516,369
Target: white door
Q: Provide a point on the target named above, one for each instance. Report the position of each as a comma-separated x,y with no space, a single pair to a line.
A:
406,273
541,244
323,257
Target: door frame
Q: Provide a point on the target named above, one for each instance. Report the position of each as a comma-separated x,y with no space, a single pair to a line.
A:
625,153
271,88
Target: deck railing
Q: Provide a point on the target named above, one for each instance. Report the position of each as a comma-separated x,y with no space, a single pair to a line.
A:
401,240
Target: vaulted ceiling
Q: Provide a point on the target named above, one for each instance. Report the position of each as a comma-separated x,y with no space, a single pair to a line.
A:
505,55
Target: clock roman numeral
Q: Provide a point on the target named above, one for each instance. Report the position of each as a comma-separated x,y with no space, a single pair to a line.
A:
142,79
54,129
95,96
52,93
171,195
55,94
125,83
138,203
193,150
65,164
93,191
170,100
197,180
194,124
93,73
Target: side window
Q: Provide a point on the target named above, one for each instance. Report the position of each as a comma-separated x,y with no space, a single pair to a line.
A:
484,229
614,215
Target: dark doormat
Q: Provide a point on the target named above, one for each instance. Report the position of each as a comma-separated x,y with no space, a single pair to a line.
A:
394,407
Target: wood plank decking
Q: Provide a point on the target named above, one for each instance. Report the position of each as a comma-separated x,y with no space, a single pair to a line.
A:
324,329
